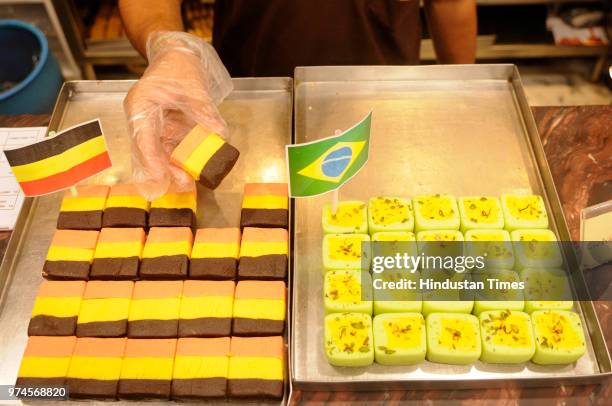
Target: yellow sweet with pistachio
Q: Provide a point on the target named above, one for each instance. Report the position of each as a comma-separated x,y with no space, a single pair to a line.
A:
350,217
559,337
347,291
546,289
389,300
524,211
348,339
536,248
387,213
493,245
399,338
453,338
505,294
480,212
440,243
436,212
345,251
507,337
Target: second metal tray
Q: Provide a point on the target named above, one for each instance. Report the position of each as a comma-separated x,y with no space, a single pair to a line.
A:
463,130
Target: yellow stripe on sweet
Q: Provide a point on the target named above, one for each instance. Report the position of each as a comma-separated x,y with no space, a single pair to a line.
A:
265,309
56,253
160,249
44,367
57,306
83,204
147,368
112,309
209,306
134,202
215,250
189,367
100,368
257,249
256,368
61,162
265,202
118,249
202,154
176,201
155,309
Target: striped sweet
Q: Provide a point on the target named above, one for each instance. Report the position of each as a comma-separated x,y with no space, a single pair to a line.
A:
70,255
259,308
95,368
206,309
263,254
174,209
256,367
83,211
200,368
125,207
207,157
265,205
215,253
104,309
118,254
146,371
45,361
166,253
56,308
154,311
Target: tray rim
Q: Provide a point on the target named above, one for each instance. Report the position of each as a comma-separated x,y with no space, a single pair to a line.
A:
497,72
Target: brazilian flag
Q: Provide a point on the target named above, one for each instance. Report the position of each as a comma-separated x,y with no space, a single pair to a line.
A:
324,165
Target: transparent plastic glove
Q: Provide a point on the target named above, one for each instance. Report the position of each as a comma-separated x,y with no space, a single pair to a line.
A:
181,87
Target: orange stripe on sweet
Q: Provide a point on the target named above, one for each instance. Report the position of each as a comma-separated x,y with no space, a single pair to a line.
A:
257,347
68,178
75,238
157,289
46,346
260,290
108,235
204,347
124,189
254,234
99,347
169,234
193,288
263,189
108,289
61,289
192,140
159,348
88,191
218,235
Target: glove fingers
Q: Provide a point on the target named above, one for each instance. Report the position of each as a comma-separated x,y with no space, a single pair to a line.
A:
149,159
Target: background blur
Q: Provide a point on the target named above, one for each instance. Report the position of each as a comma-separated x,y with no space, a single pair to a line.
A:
560,46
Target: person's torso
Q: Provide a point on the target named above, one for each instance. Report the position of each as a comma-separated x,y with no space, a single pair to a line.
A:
271,37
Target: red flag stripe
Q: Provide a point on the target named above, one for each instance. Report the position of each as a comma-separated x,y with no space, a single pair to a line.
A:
68,178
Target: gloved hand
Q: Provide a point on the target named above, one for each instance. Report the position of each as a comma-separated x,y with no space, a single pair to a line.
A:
181,87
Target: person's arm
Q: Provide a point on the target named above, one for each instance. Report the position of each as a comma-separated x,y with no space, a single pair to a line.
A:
142,17
452,24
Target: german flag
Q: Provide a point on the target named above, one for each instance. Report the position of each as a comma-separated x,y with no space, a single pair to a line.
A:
61,161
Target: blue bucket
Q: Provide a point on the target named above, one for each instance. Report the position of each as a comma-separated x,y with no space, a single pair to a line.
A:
29,74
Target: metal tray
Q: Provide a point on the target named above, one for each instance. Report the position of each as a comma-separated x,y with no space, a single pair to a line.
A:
435,129
259,115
